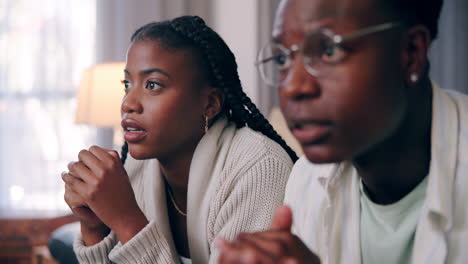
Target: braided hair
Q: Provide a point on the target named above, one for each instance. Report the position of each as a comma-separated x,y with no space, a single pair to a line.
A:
219,66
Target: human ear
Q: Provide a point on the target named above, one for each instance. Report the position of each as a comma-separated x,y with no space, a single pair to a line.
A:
417,42
214,103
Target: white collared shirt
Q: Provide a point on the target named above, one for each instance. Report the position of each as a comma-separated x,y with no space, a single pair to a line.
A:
326,205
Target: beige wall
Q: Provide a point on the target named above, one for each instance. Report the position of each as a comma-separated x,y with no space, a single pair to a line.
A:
236,22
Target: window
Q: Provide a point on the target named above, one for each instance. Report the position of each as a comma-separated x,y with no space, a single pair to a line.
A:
44,47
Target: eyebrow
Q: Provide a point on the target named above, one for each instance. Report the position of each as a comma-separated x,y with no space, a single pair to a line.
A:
149,71
311,25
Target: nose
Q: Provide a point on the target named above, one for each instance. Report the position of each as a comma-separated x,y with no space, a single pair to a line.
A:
299,84
131,102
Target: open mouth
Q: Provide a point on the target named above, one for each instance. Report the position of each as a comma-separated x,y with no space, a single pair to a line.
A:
310,132
304,125
133,132
133,129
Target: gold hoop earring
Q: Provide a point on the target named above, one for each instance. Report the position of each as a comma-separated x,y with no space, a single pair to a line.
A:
206,124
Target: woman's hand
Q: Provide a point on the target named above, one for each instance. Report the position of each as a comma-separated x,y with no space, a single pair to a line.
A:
92,228
100,179
276,245
79,207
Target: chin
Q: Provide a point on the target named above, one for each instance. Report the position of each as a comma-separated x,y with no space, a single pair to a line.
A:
323,154
140,155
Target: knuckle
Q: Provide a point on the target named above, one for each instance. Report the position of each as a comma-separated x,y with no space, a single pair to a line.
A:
114,152
288,239
69,180
251,256
290,260
91,195
98,185
73,166
82,153
110,166
65,197
242,236
284,246
115,163
279,248
93,148
100,173
93,184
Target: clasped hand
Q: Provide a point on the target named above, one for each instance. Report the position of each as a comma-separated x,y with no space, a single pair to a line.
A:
99,192
276,245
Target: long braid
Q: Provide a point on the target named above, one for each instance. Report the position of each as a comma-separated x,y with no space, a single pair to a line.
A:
223,67
220,66
124,152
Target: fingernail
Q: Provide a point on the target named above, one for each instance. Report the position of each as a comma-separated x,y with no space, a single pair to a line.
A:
63,174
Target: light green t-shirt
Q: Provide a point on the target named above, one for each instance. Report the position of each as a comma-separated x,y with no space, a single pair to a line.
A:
387,231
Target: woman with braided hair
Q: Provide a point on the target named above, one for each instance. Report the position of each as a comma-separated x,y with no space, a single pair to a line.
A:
204,162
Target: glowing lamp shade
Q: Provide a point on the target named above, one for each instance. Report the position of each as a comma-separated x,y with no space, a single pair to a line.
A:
100,95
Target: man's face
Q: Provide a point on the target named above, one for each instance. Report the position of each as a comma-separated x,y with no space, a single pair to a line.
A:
361,100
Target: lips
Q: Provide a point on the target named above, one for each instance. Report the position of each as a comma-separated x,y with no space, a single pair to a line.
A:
310,132
133,131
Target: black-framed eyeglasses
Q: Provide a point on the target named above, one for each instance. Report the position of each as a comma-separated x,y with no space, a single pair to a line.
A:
320,50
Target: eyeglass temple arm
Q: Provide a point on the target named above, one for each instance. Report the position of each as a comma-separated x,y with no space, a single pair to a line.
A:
293,48
366,31
264,60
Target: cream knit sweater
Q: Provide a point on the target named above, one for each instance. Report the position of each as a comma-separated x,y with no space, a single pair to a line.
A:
237,179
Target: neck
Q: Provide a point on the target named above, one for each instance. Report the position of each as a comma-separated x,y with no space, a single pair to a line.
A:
396,166
176,172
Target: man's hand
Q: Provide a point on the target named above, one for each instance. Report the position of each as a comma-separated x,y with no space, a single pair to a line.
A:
276,245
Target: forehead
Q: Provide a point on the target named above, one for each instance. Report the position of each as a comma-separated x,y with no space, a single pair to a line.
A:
294,17
151,53
147,50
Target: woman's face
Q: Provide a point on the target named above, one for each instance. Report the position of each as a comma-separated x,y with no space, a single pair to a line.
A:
164,102
361,101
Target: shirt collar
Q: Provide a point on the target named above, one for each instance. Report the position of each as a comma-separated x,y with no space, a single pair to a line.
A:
444,145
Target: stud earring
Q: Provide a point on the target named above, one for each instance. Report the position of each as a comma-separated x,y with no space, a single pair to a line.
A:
414,77
206,124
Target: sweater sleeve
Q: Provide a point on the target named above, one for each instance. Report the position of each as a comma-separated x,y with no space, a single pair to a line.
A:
247,202
147,247
95,254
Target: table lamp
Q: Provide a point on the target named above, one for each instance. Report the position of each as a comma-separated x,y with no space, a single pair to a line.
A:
99,98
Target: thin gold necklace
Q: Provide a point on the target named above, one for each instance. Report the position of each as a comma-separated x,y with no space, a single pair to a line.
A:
168,188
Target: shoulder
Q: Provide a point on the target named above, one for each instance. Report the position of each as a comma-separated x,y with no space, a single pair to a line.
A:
254,161
460,102
253,149
250,185
305,178
460,99
306,195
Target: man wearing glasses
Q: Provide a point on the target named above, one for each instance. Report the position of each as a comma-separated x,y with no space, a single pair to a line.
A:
385,170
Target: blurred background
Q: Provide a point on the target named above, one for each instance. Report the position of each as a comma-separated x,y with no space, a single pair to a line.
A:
46,47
